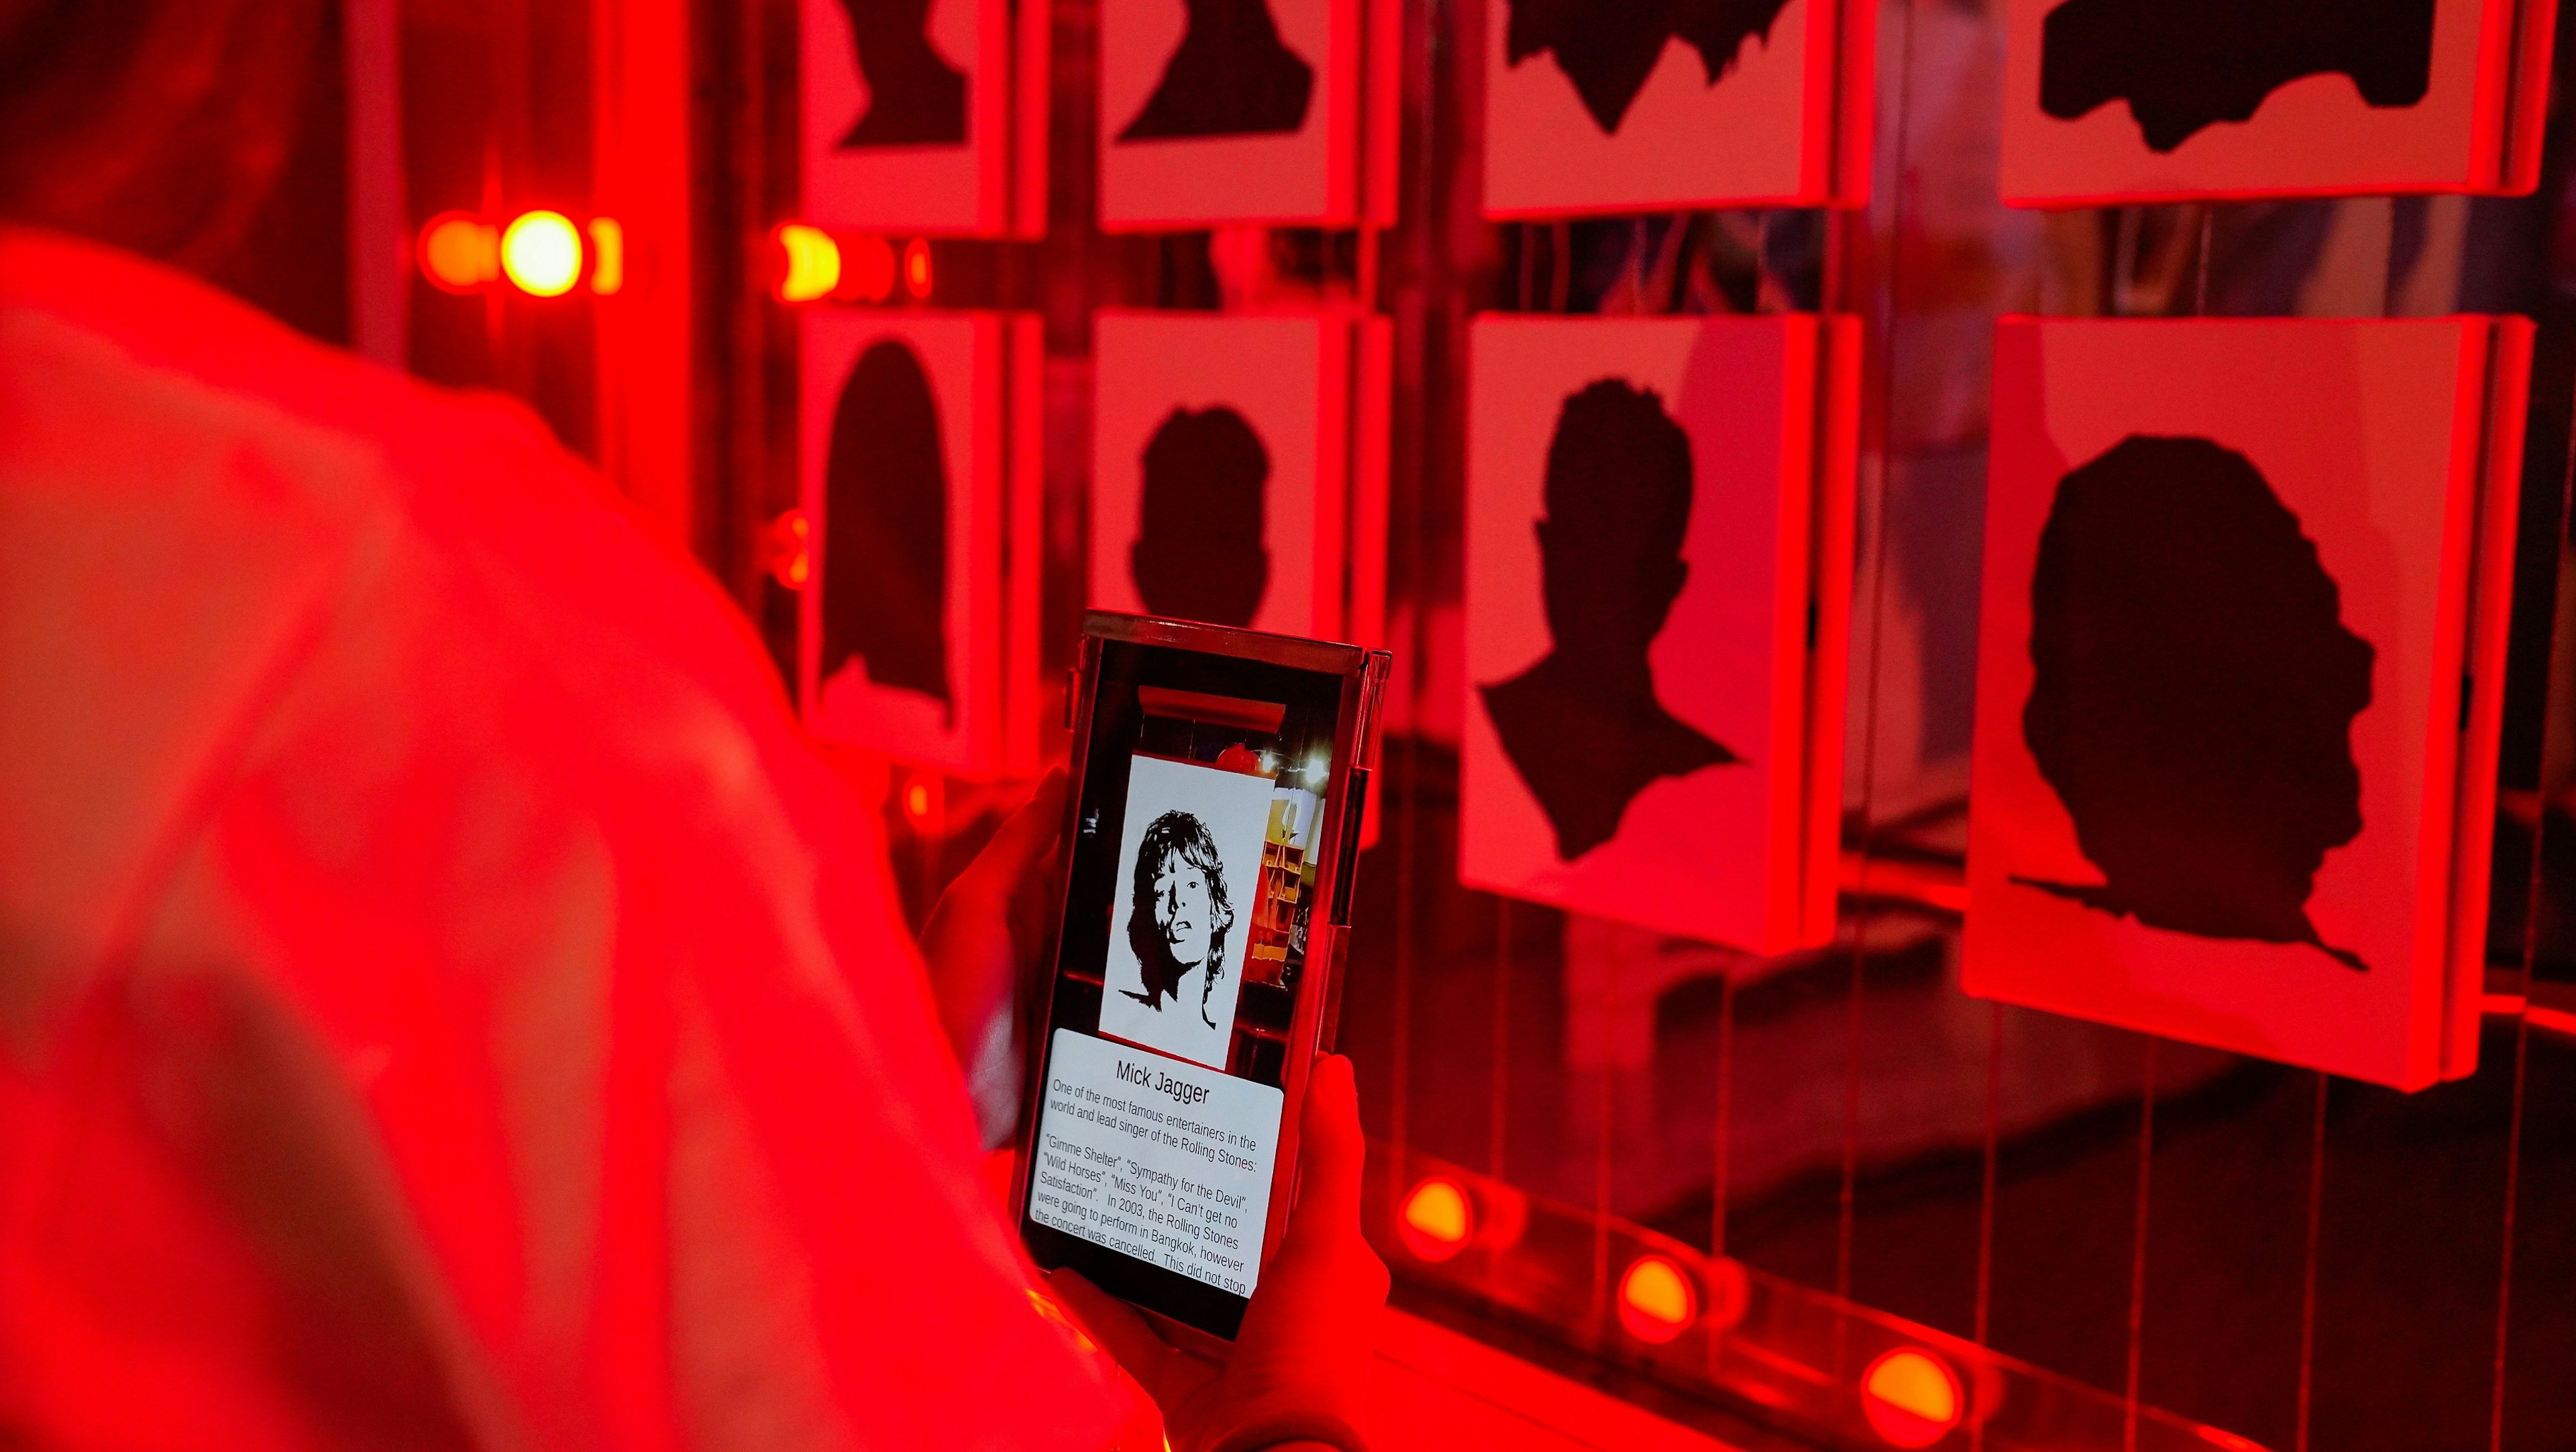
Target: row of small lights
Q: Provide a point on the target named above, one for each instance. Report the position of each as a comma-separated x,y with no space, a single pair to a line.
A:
541,253
1910,1396
812,265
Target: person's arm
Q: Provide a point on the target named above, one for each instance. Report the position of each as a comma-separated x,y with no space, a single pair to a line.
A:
1299,1374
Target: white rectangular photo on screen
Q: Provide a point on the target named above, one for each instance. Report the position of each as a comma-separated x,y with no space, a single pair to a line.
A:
1189,869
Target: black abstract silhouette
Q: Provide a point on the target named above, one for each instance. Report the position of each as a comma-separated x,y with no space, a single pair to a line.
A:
1230,76
2186,64
2193,693
1199,553
1583,726
1178,913
915,98
1608,51
885,528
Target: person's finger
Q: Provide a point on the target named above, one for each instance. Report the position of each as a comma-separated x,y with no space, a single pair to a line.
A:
1332,1152
1028,835
1115,1325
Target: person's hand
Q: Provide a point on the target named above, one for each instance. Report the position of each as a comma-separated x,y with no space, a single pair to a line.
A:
1300,1366
988,923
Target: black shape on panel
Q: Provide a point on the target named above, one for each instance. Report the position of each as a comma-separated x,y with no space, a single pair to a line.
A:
1608,50
2193,693
915,98
1583,726
1177,912
885,528
1199,551
1231,76
2186,64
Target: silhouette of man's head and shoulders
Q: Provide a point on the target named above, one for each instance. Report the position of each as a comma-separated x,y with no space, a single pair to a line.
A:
2183,65
2193,692
1608,51
1231,75
915,97
1199,552
1583,726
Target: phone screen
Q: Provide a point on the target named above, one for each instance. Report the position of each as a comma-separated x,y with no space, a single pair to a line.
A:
1189,901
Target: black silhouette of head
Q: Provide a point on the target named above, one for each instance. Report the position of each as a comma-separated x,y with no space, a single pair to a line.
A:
1583,726
1231,75
915,98
885,528
1199,553
1178,912
2193,692
1608,51
2186,64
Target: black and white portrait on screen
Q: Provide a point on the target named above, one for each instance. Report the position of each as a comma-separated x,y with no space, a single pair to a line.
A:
1189,865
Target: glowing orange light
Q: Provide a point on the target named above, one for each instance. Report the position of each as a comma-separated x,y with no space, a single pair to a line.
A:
459,252
1437,1220
1047,1308
916,802
871,269
608,247
916,267
813,263
1912,1398
541,253
791,549
1656,1302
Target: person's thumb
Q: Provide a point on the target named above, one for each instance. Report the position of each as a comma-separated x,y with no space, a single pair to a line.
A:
1021,845
1332,1152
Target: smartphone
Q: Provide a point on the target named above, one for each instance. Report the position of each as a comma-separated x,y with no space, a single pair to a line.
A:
1221,779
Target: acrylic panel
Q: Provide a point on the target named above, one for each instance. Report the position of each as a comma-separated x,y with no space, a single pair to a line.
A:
1220,474
2111,101
1231,111
1638,545
911,111
2218,720
922,594
1189,866
1710,103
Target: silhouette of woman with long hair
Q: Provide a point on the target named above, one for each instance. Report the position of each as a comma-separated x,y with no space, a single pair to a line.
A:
1583,726
1199,551
2193,692
1608,51
915,98
885,529
1231,76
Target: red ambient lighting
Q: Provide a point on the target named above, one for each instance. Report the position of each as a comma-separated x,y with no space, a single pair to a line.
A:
1912,1398
916,268
1437,1221
1656,1300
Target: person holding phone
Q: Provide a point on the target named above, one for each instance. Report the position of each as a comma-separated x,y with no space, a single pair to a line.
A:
444,1000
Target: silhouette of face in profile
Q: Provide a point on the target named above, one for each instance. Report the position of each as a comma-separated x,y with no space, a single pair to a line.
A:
1231,75
1583,726
1608,50
885,528
914,97
1199,553
1178,915
2193,692
2186,64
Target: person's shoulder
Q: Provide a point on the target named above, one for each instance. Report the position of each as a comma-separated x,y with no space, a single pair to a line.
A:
114,346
